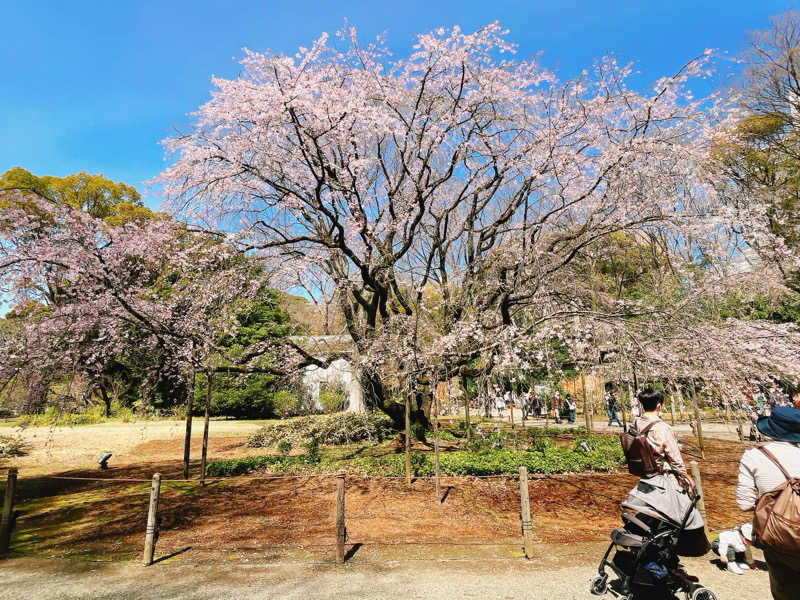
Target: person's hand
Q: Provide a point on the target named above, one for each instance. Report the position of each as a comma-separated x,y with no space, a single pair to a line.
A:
685,481
723,560
752,565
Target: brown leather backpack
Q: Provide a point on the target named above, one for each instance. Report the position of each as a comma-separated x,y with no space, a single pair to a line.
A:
776,521
639,454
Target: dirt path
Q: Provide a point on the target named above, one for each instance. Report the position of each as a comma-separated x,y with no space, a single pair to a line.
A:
58,449
369,574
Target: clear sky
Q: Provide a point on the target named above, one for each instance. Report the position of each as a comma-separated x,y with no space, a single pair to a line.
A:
95,85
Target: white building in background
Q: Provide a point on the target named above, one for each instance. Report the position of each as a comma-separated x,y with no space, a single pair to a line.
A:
341,372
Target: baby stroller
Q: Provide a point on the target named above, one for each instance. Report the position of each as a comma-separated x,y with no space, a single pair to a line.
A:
645,558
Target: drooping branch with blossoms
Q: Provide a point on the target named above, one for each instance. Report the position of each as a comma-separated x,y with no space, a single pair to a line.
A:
145,292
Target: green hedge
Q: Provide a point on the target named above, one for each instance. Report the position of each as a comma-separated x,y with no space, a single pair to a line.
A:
605,454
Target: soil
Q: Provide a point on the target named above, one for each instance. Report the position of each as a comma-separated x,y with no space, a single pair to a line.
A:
280,516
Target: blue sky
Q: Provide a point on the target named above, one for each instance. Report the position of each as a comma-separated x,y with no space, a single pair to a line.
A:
95,85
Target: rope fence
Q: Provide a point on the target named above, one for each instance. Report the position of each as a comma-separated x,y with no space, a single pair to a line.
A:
339,535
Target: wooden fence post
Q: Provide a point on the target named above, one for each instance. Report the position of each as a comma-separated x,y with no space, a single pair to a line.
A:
525,512
698,483
151,532
341,530
8,511
209,377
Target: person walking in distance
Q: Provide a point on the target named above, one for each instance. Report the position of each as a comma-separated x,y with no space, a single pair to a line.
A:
555,402
764,474
570,406
611,408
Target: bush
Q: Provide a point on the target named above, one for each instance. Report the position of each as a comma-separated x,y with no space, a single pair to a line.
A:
12,446
332,397
334,429
55,415
606,455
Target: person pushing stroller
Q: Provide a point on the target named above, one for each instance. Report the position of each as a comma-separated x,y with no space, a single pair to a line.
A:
667,488
660,516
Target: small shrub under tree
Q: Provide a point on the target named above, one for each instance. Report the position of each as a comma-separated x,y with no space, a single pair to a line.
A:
333,429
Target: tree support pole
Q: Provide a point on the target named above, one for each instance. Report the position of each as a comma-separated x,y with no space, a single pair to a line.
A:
209,377
586,417
437,482
408,440
466,404
187,440
698,421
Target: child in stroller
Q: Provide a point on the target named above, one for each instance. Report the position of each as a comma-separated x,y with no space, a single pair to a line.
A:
645,559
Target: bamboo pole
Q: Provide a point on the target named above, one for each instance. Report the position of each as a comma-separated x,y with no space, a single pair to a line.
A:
525,512
341,530
209,377
151,532
8,511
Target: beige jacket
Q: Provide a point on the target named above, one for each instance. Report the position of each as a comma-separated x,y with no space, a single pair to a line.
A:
664,443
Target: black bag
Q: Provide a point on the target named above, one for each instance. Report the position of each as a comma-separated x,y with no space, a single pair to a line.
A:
638,453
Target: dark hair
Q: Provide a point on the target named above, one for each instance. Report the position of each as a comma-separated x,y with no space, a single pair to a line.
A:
650,398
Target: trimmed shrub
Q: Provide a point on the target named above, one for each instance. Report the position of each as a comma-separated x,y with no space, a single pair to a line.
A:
605,454
334,429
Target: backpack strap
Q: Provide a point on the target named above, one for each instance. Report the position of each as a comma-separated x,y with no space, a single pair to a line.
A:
771,456
647,428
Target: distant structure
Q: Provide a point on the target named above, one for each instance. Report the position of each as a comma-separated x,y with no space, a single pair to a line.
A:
339,372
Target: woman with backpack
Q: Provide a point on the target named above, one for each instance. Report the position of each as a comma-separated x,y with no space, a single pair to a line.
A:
769,485
664,483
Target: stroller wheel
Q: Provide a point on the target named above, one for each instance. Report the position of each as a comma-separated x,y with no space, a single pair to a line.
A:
599,585
703,594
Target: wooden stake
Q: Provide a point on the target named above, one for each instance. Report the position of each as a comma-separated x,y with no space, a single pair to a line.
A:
8,512
698,483
209,377
187,440
151,533
525,512
341,531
